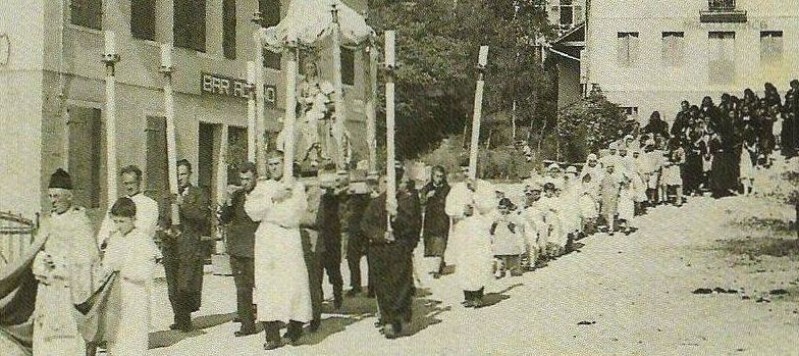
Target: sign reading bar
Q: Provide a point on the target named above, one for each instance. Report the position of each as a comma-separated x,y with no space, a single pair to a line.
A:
220,85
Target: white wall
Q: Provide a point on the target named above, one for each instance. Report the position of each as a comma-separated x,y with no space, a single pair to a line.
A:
21,107
652,85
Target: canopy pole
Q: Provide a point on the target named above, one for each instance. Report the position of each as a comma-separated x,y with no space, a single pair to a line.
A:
110,58
338,95
478,112
371,111
260,120
252,113
171,142
391,173
291,103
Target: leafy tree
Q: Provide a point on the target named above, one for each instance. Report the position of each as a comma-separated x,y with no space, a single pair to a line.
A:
437,48
588,126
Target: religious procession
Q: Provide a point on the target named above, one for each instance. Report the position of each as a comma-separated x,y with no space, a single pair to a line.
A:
219,243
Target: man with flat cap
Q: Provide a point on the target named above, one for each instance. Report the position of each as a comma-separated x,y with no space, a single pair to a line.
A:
240,244
391,252
63,269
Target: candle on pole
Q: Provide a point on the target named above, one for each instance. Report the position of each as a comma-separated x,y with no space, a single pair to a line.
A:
391,173
290,117
251,113
478,112
171,142
260,124
110,58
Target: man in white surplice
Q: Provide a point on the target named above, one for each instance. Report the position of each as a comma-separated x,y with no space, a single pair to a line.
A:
281,278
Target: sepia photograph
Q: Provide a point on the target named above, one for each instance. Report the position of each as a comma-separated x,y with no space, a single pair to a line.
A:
386,177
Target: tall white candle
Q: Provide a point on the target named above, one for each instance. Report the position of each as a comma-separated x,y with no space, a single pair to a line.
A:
390,38
110,42
483,58
166,55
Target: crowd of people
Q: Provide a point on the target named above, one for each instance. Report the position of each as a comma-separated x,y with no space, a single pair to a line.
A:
283,236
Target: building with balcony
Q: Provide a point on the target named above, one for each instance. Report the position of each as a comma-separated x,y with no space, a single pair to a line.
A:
53,92
650,55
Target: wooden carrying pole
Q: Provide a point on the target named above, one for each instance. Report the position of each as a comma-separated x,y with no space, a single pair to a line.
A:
291,103
252,113
171,142
478,112
110,58
391,173
260,125
371,111
338,94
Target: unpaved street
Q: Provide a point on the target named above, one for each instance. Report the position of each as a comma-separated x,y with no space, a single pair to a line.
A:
632,295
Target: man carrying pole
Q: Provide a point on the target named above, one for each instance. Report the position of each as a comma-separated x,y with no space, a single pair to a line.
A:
392,222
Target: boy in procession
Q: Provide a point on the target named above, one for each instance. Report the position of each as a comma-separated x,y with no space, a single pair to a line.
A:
132,254
472,204
147,211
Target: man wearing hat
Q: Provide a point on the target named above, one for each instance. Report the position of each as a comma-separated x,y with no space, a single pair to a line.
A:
64,271
391,252
240,244
282,288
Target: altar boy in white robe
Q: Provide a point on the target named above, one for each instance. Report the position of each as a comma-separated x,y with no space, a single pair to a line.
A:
131,253
473,205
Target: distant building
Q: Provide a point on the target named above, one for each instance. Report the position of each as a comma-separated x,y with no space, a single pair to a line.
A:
52,103
566,14
649,55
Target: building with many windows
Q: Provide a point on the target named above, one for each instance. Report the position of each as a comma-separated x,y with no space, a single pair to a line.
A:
53,95
650,55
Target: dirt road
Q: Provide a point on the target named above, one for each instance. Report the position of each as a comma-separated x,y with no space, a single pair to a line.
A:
617,295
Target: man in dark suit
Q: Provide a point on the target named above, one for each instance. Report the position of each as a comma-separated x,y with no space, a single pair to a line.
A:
183,249
391,252
240,242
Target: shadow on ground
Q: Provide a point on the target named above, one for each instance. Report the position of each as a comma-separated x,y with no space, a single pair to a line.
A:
761,246
166,338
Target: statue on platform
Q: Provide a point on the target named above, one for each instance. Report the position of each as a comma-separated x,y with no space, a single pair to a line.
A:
316,136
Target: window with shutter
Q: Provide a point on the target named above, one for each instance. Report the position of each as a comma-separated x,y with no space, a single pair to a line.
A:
189,24
87,13
85,154
770,46
229,29
142,19
722,53
627,48
672,48
270,16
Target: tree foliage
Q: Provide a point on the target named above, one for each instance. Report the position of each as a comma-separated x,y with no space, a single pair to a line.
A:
437,49
588,126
